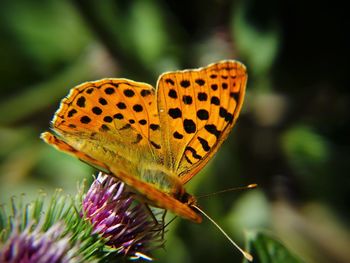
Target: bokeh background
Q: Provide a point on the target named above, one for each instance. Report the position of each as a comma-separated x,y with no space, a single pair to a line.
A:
292,138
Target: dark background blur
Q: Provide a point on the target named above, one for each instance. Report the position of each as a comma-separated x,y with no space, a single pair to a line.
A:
292,137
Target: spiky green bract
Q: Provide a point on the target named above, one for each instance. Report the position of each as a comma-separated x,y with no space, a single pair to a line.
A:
54,229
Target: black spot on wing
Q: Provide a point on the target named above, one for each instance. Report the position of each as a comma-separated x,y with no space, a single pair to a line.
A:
170,81
211,128
187,99
145,93
222,112
188,160
108,119
104,127
102,101
121,105
125,127
215,100
81,102
194,153
172,94
118,116
137,108
229,117
109,91
200,82
204,144
185,83
154,127
85,119
225,114
97,110
177,135
143,122
90,90
203,114
234,95
214,87
71,113
189,126
129,93
175,113
202,96
138,139
157,146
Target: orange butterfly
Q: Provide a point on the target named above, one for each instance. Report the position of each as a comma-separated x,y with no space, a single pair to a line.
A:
154,140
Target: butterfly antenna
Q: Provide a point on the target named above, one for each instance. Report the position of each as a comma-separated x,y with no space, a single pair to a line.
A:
249,186
248,256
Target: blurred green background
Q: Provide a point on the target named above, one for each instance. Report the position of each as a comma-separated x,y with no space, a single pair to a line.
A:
292,138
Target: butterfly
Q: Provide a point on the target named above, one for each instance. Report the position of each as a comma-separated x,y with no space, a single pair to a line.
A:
153,139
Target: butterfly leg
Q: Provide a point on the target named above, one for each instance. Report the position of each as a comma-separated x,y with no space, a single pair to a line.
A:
163,222
149,210
163,216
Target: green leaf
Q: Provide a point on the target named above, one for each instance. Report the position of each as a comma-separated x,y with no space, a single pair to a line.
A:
267,249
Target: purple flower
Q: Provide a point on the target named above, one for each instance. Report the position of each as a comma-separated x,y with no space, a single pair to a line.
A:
34,246
126,225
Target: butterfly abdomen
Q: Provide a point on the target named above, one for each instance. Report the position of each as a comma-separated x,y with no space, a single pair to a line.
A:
163,181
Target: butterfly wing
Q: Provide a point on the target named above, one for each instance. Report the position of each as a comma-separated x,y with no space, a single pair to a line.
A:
198,109
59,144
113,124
124,128
107,123
150,194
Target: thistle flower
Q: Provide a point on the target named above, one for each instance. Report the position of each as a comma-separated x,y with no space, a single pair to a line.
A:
110,225
32,245
29,233
126,225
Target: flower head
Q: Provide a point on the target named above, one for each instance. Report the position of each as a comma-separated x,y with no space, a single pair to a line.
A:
126,225
40,232
33,245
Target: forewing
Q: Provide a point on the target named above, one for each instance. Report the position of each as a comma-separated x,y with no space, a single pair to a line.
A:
114,121
197,110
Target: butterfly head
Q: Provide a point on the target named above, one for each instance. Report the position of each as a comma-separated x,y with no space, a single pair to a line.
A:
188,199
